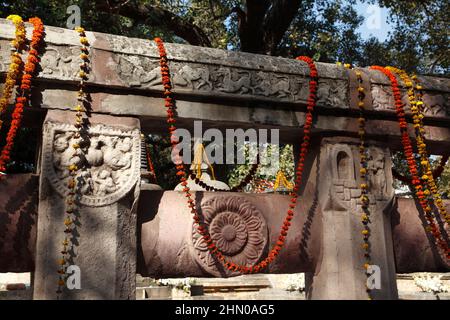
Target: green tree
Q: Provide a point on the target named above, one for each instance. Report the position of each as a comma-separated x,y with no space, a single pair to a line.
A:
323,29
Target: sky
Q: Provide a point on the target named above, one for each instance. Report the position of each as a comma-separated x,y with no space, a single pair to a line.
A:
374,21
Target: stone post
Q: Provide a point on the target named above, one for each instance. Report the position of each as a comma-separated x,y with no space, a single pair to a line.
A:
104,239
339,272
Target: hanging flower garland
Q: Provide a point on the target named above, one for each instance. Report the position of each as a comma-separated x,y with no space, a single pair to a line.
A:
417,112
73,168
245,181
25,88
169,103
365,215
16,64
432,227
437,171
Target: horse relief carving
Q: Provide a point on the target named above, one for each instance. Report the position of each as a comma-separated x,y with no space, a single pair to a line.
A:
193,78
139,71
62,63
434,105
234,81
270,85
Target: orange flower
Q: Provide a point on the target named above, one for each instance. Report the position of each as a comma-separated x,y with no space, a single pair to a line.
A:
171,120
407,146
25,87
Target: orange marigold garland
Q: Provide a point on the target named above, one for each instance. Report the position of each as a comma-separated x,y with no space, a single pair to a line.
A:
25,86
72,184
416,105
16,64
432,227
181,173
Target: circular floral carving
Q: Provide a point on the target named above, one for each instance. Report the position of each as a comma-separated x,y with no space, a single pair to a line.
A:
237,228
229,232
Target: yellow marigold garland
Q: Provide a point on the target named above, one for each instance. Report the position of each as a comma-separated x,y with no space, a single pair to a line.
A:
73,168
416,105
365,214
416,182
16,64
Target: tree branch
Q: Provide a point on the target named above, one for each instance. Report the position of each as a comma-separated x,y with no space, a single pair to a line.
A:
156,16
277,21
250,24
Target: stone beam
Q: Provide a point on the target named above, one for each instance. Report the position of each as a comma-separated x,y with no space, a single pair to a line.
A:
210,84
18,220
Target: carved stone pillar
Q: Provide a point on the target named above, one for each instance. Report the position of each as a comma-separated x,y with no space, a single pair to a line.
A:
104,239
339,272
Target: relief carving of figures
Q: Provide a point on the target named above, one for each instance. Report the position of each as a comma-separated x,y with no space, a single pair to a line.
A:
382,98
272,85
62,63
139,71
344,187
235,81
332,93
345,193
194,78
300,89
4,55
434,105
377,174
109,165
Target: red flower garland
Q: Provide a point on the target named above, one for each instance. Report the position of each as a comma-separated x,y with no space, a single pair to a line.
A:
169,103
407,146
25,86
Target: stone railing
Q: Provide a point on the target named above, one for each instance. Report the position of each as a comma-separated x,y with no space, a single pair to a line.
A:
254,89
225,90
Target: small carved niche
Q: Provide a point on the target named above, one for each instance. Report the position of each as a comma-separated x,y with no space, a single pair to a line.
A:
344,166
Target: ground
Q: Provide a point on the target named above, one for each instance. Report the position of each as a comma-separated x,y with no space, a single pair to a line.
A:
251,287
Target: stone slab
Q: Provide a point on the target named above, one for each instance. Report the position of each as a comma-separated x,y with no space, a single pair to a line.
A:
130,67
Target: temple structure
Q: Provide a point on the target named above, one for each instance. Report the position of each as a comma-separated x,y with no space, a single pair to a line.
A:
126,227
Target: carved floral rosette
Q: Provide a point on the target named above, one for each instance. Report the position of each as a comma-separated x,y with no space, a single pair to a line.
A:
237,228
108,169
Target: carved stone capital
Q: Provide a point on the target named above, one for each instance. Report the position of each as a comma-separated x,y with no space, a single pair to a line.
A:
109,168
344,166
